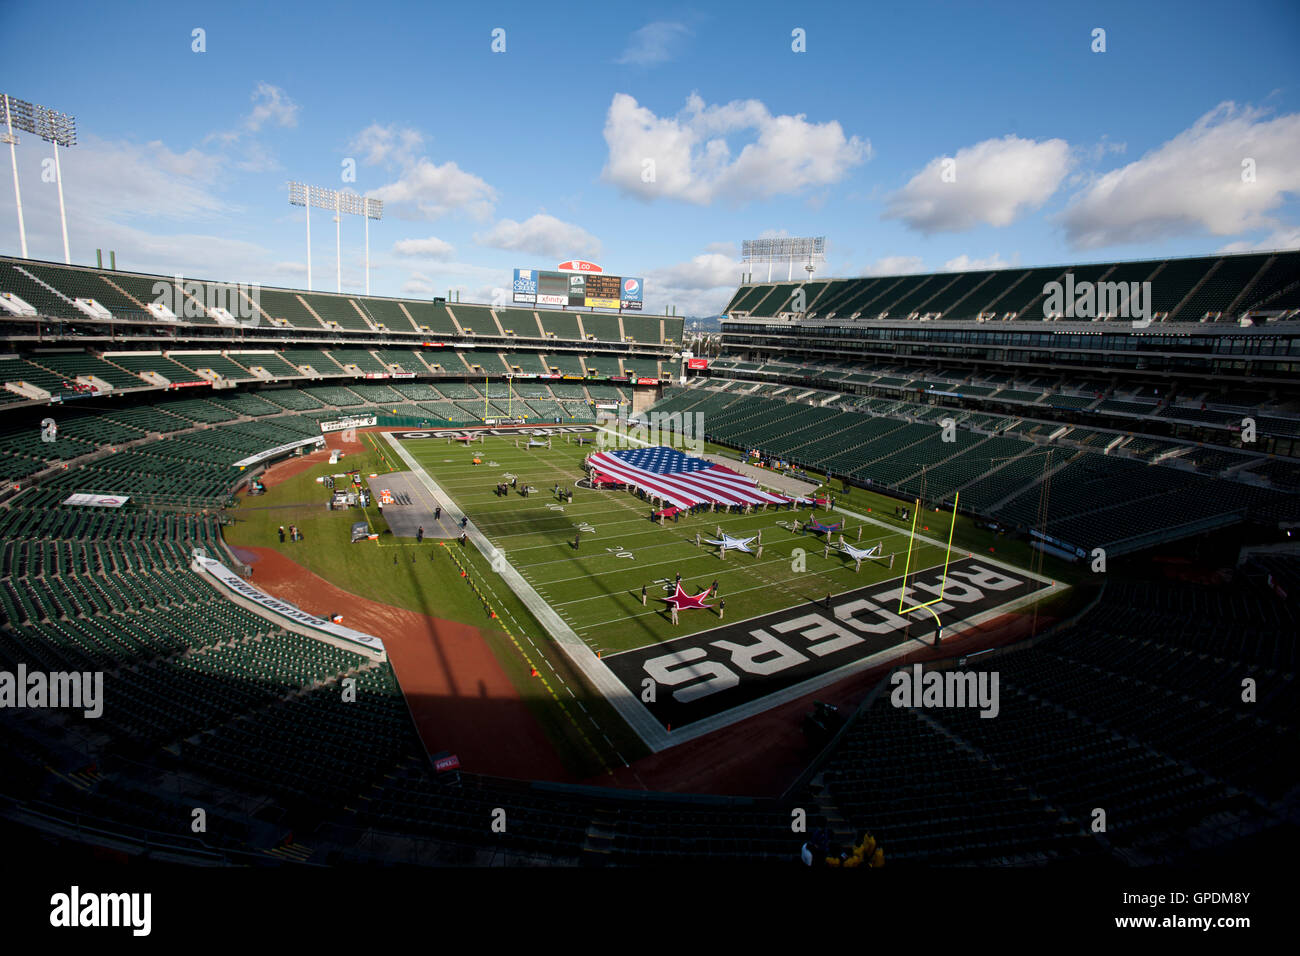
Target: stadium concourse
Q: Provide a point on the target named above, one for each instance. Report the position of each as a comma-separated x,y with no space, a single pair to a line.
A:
1059,446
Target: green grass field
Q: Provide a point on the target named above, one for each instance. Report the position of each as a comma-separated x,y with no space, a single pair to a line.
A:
589,738
597,588
594,589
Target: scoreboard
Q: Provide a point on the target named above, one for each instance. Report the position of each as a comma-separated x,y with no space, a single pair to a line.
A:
603,291
592,290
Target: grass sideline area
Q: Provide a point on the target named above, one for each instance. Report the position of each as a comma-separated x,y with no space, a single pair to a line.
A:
587,732
596,588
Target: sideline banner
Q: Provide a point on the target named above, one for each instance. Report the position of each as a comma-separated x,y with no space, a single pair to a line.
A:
278,450
249,593
356,421
98,501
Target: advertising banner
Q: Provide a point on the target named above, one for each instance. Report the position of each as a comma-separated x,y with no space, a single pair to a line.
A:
632,293
525,286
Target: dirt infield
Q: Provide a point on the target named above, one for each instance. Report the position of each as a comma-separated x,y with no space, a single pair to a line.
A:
460,697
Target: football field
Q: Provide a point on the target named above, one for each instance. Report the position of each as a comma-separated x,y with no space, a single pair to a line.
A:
596,587
796,617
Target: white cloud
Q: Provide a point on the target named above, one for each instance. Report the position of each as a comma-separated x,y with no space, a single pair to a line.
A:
1287,237
1193,183
541,235
430,248
122,180
417,284
994,182
700,286
387,145
654,43
423,189
964,263
894,265
693,162
428,191
271,105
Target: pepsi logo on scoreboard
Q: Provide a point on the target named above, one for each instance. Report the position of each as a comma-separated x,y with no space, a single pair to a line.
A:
632,292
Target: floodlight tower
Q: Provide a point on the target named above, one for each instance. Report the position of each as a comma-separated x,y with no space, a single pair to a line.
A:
12,140
300,194
52,126
784,249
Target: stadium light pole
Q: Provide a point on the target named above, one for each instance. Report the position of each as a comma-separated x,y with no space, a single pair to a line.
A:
53,127
371,209
785,250
12,140
341,204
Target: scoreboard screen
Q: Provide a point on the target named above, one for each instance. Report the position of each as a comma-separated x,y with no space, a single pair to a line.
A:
603,286
592,290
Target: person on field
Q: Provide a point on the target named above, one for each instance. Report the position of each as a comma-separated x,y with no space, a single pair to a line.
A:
419,535
282,534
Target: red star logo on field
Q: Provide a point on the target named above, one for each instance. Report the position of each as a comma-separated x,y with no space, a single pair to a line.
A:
681,600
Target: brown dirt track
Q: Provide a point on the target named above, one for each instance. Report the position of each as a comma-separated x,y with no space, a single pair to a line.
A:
460,697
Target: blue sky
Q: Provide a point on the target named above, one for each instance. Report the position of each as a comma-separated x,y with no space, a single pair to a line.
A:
490,160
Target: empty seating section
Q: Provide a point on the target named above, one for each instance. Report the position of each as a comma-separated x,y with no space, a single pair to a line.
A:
1136,707
334,395
378,394
400,360
444,360
475,319
1274,277
519,322
293,399
287,307
560,325
315,359
337,310
1084,498
601,366
641,368
273,362
603,328
140,362
1221,287
525,362
14,279
362,359
431,316
214,361
69,365
146,289
645,330
564,363
83,284
485,362
388,314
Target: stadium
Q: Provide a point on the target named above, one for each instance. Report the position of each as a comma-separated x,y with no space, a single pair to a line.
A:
301,579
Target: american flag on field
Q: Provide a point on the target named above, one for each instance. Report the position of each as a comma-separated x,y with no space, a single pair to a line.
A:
680,479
